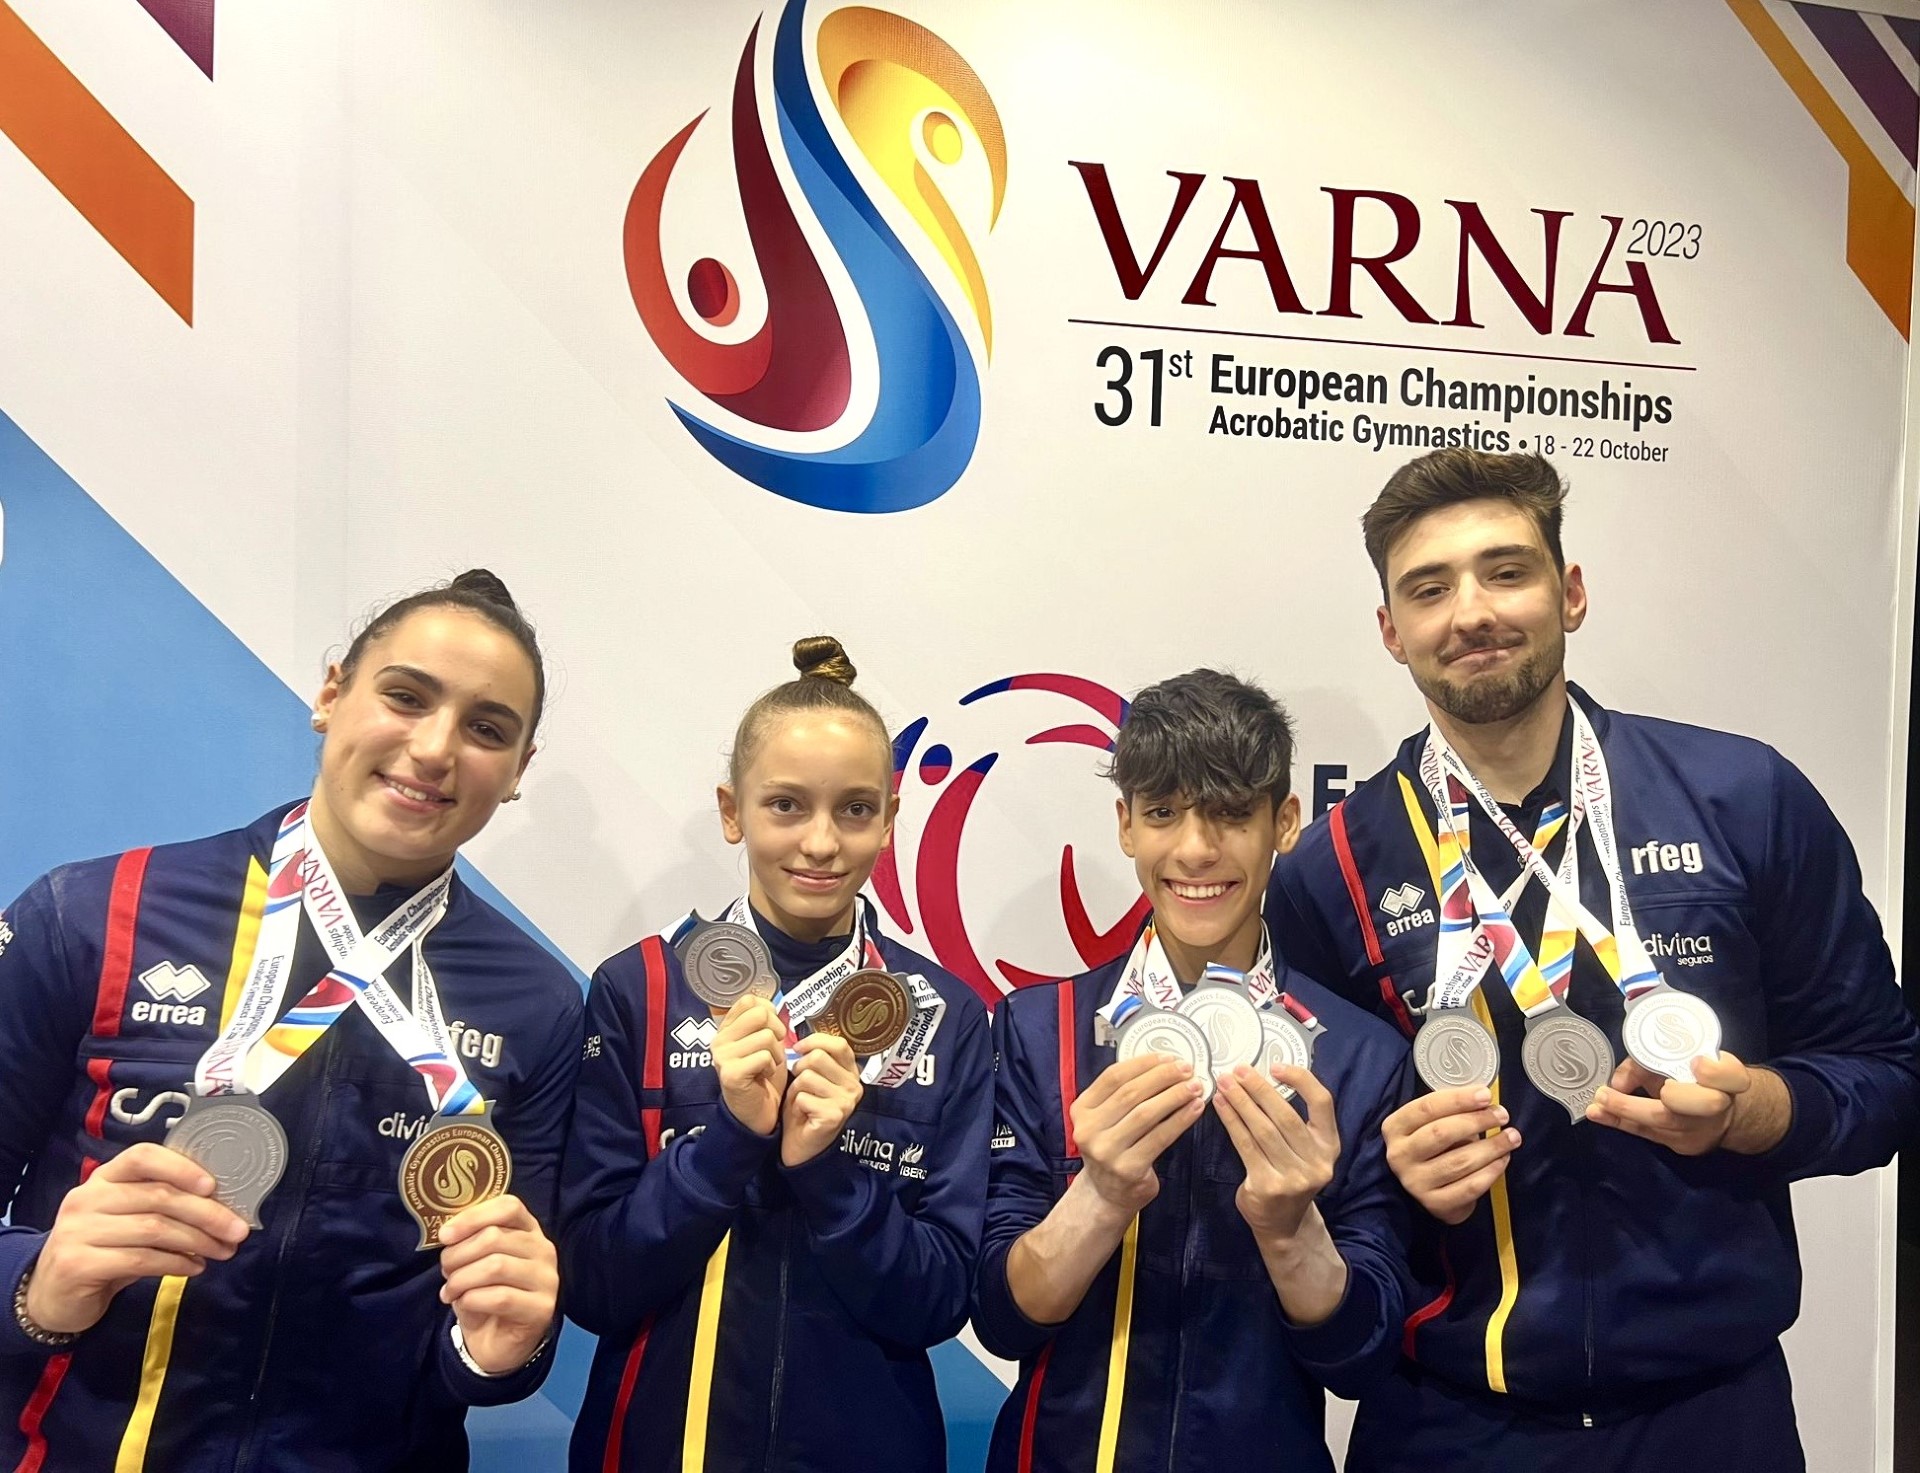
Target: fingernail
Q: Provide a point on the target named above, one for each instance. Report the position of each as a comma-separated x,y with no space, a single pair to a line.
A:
1513,1137
1483,1097
1500,1114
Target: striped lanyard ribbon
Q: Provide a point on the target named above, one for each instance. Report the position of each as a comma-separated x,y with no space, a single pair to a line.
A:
1470,911
1148,977
809,996
255,1048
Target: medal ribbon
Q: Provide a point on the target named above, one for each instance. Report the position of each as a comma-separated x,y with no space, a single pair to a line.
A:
1300,1012
1537,987
809,996
255,1050
1618,946
1476,927
1148,977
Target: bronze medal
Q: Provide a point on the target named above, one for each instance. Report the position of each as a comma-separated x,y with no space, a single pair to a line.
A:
870,1010
457,1162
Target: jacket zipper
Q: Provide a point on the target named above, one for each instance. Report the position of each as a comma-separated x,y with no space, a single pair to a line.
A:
1189,1253
243,1458
1586,1270
780,1340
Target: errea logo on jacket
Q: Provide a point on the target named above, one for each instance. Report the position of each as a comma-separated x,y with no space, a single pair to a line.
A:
1406,905
695,1039
172,988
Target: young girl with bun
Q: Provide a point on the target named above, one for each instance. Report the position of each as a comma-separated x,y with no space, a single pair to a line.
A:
271,1206
774,1187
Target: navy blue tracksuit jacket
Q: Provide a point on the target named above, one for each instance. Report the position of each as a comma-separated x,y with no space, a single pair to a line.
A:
1604,1277
751,1316
1214,1375
322,1344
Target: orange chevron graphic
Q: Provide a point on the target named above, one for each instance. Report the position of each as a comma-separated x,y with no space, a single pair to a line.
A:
84,153
1880,219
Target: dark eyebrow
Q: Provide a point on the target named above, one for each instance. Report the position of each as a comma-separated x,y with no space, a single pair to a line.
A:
1484,555
785,787
498,711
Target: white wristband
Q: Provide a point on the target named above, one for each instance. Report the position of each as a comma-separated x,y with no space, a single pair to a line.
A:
460,1345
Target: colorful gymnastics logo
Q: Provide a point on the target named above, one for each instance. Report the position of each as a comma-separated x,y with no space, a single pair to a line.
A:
936,862
915,110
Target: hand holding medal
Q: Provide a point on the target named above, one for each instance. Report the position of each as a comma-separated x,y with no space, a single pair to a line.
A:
1126,1118
147,1212
502,1280
824,1093
1289,1161
750,1057
1448,1148
1728,1105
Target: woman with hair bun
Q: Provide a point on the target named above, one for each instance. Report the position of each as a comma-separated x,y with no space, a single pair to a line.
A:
775,1183
281,1110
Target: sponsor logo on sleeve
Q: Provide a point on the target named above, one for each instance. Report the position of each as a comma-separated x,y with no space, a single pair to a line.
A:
1676,949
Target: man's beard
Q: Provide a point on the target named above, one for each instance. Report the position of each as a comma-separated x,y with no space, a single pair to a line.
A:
1488,700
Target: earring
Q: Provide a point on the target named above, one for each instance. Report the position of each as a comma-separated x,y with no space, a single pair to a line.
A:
513,797
317,721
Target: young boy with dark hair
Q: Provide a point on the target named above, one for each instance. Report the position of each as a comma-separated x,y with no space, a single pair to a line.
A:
1191,1227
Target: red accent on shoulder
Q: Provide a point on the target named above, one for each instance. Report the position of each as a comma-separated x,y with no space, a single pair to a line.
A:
35,1411
1350,871
610,1460
1032,1412
653,1066
116,962
1069,1069
1433,1309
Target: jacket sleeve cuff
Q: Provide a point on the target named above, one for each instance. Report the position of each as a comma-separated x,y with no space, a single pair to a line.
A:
1002,1325
1803,1150
19,1247
718,1164
1349,1333
473,1387
835,1193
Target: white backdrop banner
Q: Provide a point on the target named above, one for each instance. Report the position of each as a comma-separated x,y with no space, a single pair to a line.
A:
1037,351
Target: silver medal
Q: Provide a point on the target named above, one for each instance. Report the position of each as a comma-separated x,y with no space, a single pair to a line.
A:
1285,1040
239,1144
725,963
1454,1049
1150,1031
1667,1030
1231,1022
1567,1058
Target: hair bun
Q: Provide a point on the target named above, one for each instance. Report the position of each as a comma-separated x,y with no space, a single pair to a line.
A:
824,657
483,584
